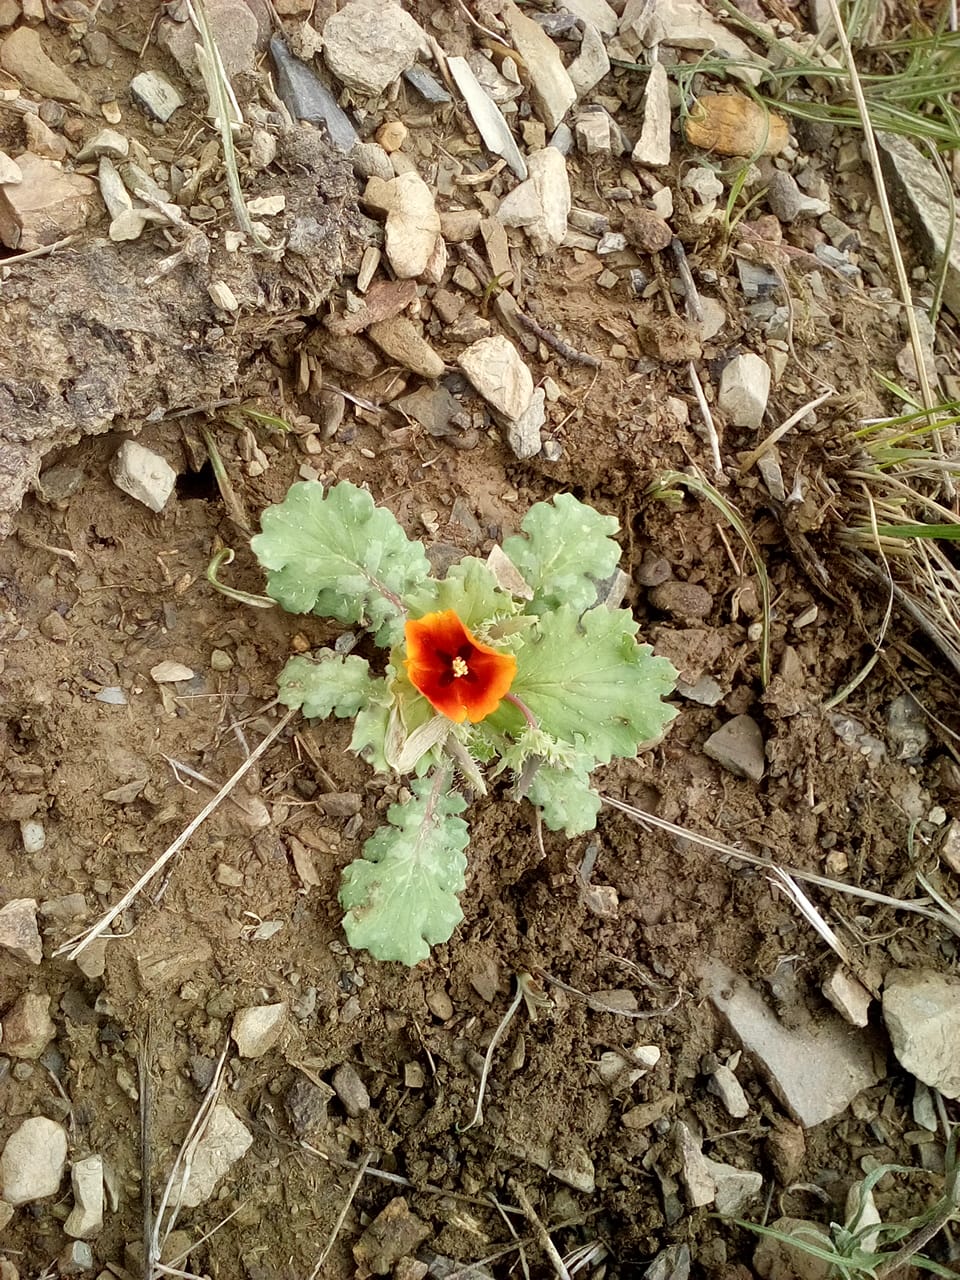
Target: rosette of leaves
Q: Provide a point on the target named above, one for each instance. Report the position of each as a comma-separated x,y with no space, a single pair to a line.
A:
582,690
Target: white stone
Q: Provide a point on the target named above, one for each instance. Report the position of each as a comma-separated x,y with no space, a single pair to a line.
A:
697,1179
551,89
369,43
156,95
106,143
592,132
950,848
225,1140
32,835
850,998
115,195
548,173
744,390
487,116
413,223
729,1090
127,225
170,672
496,370
921,1009
86,1216
33,1161
18,930
591,63
143,474
257,1029
523,435
816,1070
10,171
597,12
685,24
735,1188
653,146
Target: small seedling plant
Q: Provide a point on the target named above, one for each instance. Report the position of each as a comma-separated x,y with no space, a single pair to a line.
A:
505,668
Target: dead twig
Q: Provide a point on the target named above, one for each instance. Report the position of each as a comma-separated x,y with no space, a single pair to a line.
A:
557,344
539,1230
342,1216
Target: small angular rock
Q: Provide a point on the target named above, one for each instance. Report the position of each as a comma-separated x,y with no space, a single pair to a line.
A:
232,25
105,143
401,340
156,95
523,435
591,63
393,1234
646,230
225,1140
142,474
849,997
23,56
551,89
46,205
729,1090
653,146
257,1029
738,748
921,1009
744,390
18,930
351,1090
28,1027
498,373
86,1216
487,116
306,97
369,43
413,223
788,202
33,1161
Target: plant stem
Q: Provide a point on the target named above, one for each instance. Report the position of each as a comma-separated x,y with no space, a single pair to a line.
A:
521,706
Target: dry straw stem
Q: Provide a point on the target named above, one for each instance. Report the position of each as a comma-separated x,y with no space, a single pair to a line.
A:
947,919
74,946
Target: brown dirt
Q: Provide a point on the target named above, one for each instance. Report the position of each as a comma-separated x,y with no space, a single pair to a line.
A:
126,590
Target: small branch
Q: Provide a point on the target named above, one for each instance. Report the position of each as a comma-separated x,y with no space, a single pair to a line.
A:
539,1230
552,340
522,707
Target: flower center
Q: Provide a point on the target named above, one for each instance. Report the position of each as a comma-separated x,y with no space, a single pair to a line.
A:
459,667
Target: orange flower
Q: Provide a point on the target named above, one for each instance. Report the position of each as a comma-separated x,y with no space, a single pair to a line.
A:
460,676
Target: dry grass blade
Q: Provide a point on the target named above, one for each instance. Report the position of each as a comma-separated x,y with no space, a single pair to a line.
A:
810,913
342,1216
74,946
477,1117
540,1231
916,907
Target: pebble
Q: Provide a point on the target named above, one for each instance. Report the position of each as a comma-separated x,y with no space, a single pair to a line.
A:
234,28
592,62
143,474
685,600
546,194
257,1028
33,1161
23,56
440,1004
156,95
816,1070
351,1090
413,223
907,728
646,230
225,1140
170,672
788,202
738,748
307,98
729,1090
46,205
653,146
402,341
305,1103
552,92
523,434
921,1009
950,846
849,997
744,390
75,1259
592,133
42,140
733,125
368,44
496,370
28,1027
86,1217
18,930
105,143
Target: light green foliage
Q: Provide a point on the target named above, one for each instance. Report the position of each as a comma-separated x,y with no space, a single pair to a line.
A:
469,588
401,896
592,690
341,556
588,681
567,549
328,683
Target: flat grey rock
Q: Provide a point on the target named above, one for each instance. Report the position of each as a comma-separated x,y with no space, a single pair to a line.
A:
744,390
86,1216
257,1029
369,43
156,95
306,97
738,748
18,930
225,1140
815,1071
921,1009
919,194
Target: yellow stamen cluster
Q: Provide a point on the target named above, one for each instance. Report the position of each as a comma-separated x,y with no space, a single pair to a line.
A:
460,667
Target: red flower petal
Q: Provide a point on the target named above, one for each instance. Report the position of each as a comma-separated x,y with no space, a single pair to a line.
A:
460,676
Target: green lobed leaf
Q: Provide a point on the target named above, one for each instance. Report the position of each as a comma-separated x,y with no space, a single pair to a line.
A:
566,550
469,588
328,682
338,554
565,797
401,896
589,683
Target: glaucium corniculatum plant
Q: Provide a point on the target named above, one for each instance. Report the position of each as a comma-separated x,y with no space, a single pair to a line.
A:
505,666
